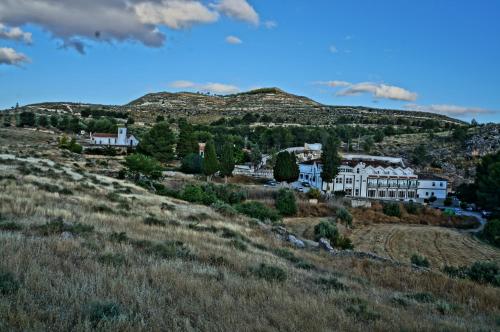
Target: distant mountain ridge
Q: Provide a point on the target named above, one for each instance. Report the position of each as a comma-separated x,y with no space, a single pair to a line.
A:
274,102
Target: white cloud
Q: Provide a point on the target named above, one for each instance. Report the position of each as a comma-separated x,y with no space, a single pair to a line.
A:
334,84
378,90
216,88
333,49
451,110
238,9
270,24
9,56
15,33
76,22
175,14
233,40
182,84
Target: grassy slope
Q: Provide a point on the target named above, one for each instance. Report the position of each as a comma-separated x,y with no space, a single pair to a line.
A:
61,278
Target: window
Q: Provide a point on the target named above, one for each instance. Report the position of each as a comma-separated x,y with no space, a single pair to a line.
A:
433,184
392,194
426,193
348,180
338,180
357,171
401,194
381,194
372,193
307,176
348,192
411,194
440,184
357,192
301,176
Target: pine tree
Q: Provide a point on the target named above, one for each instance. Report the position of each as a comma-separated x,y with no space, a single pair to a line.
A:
210,162
186,143
227,160
158,142
330,159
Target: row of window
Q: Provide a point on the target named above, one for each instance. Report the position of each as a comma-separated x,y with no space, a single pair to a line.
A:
372,193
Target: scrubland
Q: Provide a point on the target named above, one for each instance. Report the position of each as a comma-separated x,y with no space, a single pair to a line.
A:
82,251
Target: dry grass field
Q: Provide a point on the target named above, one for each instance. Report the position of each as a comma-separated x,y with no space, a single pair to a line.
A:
80,251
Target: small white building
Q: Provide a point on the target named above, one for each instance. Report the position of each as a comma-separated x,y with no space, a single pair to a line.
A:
119,140
431,185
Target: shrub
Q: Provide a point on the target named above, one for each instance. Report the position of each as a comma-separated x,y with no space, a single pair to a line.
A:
8,283
422,297
270,273
286,254
314,193
331,284
345,216
491,232
419,261
151,221
343,243
224,209
196,194
112,259
447,201
411,208
119,237
362,312
392,209
485,272
238,244
167,249
285,202
10,226
258,210
102,311
326,229
58,226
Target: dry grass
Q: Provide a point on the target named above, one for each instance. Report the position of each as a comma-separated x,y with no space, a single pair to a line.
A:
68,281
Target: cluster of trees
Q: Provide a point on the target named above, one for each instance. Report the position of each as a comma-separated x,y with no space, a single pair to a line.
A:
97,113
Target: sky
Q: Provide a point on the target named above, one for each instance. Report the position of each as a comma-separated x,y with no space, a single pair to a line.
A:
440,56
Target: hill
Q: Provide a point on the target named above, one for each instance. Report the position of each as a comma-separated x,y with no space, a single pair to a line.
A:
273,102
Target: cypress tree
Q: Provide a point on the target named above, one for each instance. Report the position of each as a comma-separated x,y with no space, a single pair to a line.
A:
210,162
186,143
286,168
227,161
330,159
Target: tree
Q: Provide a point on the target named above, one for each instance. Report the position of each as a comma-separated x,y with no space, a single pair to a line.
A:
420,155
210,162
192,164
255,155
460,134
139,164
186,143
285,202
27,119
54,120
286,168
74,125
368,144
491,232
43,121
330,159
160,118
158,142
488,182
227,161
379,136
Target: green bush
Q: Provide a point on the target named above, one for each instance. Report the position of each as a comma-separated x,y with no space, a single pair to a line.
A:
270,273
326,229
8,282
102,311
192,164
421,297
331,284
112,259
151,221
345,216
10,226
411,208
392,209
258,210
58,227
485,272
447,201
166,250
196,194
224,209
314,193
491,232
419,261
238,244
343,243
119,237
285,202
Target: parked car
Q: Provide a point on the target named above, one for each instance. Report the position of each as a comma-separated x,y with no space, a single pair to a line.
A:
271,184
305,184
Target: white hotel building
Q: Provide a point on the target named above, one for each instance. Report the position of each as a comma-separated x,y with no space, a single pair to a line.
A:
374,177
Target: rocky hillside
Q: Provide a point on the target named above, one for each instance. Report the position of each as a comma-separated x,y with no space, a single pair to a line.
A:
204,108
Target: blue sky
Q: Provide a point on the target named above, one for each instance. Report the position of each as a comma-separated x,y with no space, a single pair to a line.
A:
433,55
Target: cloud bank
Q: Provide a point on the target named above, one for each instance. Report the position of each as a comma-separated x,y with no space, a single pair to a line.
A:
75,22
377,90
216,88
450,110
